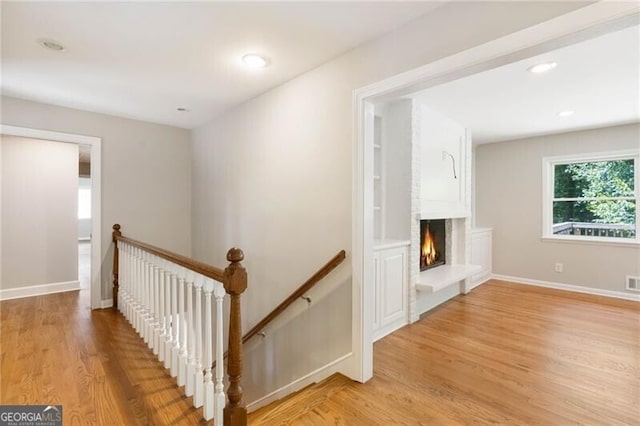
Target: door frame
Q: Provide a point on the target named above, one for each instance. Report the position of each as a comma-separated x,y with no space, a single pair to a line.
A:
570,28
96,196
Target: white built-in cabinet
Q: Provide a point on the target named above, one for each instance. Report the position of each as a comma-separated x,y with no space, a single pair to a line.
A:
391,284
481,246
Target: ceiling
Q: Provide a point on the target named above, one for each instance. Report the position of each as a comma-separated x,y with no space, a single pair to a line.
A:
143,60
598,79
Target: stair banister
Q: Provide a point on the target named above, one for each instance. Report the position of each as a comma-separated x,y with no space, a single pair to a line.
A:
162,295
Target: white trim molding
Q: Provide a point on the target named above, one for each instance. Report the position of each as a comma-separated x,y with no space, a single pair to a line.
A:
96,194
313,377
568,287
38,290
107,303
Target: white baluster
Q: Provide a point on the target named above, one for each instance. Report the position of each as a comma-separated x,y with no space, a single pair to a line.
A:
127,298
208,358
140,292
219,397
149,298
123,303
182,330
174,322
136,291
191,348
161,317
156,306
150,302
167,315
122,275
198,391
144,296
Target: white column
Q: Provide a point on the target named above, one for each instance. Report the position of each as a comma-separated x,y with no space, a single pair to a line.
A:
219,395
208,358
198,391
191,347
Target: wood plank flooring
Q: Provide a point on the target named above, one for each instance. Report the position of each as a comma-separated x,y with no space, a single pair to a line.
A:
504,354
55,350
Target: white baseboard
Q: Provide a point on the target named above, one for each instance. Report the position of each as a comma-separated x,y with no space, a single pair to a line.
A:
38,290
478,283
313,377
108,303
568,287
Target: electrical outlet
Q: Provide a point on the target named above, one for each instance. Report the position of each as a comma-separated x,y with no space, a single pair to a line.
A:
559,267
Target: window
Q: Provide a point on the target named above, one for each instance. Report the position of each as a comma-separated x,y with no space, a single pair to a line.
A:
592,197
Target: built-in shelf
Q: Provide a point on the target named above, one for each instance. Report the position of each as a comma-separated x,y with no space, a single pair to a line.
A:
433,280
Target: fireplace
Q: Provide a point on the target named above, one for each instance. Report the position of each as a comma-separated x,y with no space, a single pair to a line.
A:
433,239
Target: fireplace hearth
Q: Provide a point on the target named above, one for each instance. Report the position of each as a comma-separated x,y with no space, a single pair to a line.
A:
432,243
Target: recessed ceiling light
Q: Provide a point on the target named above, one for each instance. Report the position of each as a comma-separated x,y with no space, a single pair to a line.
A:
566,113
182,109
253,60
50,44
543,67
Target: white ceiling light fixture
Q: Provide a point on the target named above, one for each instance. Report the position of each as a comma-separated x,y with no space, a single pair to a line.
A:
542,68
566,113
255,61
50,44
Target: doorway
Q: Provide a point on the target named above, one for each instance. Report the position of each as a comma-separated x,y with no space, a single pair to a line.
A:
93,146
565,30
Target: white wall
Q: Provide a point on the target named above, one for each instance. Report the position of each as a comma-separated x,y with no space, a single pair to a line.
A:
39,212
273,176
146,179
508,199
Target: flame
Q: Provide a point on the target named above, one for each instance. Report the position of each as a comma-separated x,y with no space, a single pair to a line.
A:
429,253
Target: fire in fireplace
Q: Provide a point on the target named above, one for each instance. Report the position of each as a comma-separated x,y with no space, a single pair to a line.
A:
432,243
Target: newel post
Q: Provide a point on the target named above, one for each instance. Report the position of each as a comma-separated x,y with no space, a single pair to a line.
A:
114,237
235,283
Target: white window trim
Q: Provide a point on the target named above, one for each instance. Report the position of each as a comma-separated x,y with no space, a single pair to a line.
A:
548,164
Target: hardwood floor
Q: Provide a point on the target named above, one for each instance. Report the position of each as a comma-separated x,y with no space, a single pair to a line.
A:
56,351
504,354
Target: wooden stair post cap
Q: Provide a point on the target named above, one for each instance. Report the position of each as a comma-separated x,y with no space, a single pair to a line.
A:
235,255
116,227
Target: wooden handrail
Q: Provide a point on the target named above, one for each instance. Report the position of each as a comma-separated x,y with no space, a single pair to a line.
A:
315,278
191,264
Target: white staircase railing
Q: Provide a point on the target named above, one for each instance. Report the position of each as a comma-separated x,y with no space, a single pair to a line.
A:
171,301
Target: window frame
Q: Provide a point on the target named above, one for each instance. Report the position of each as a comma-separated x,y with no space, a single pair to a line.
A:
548,183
